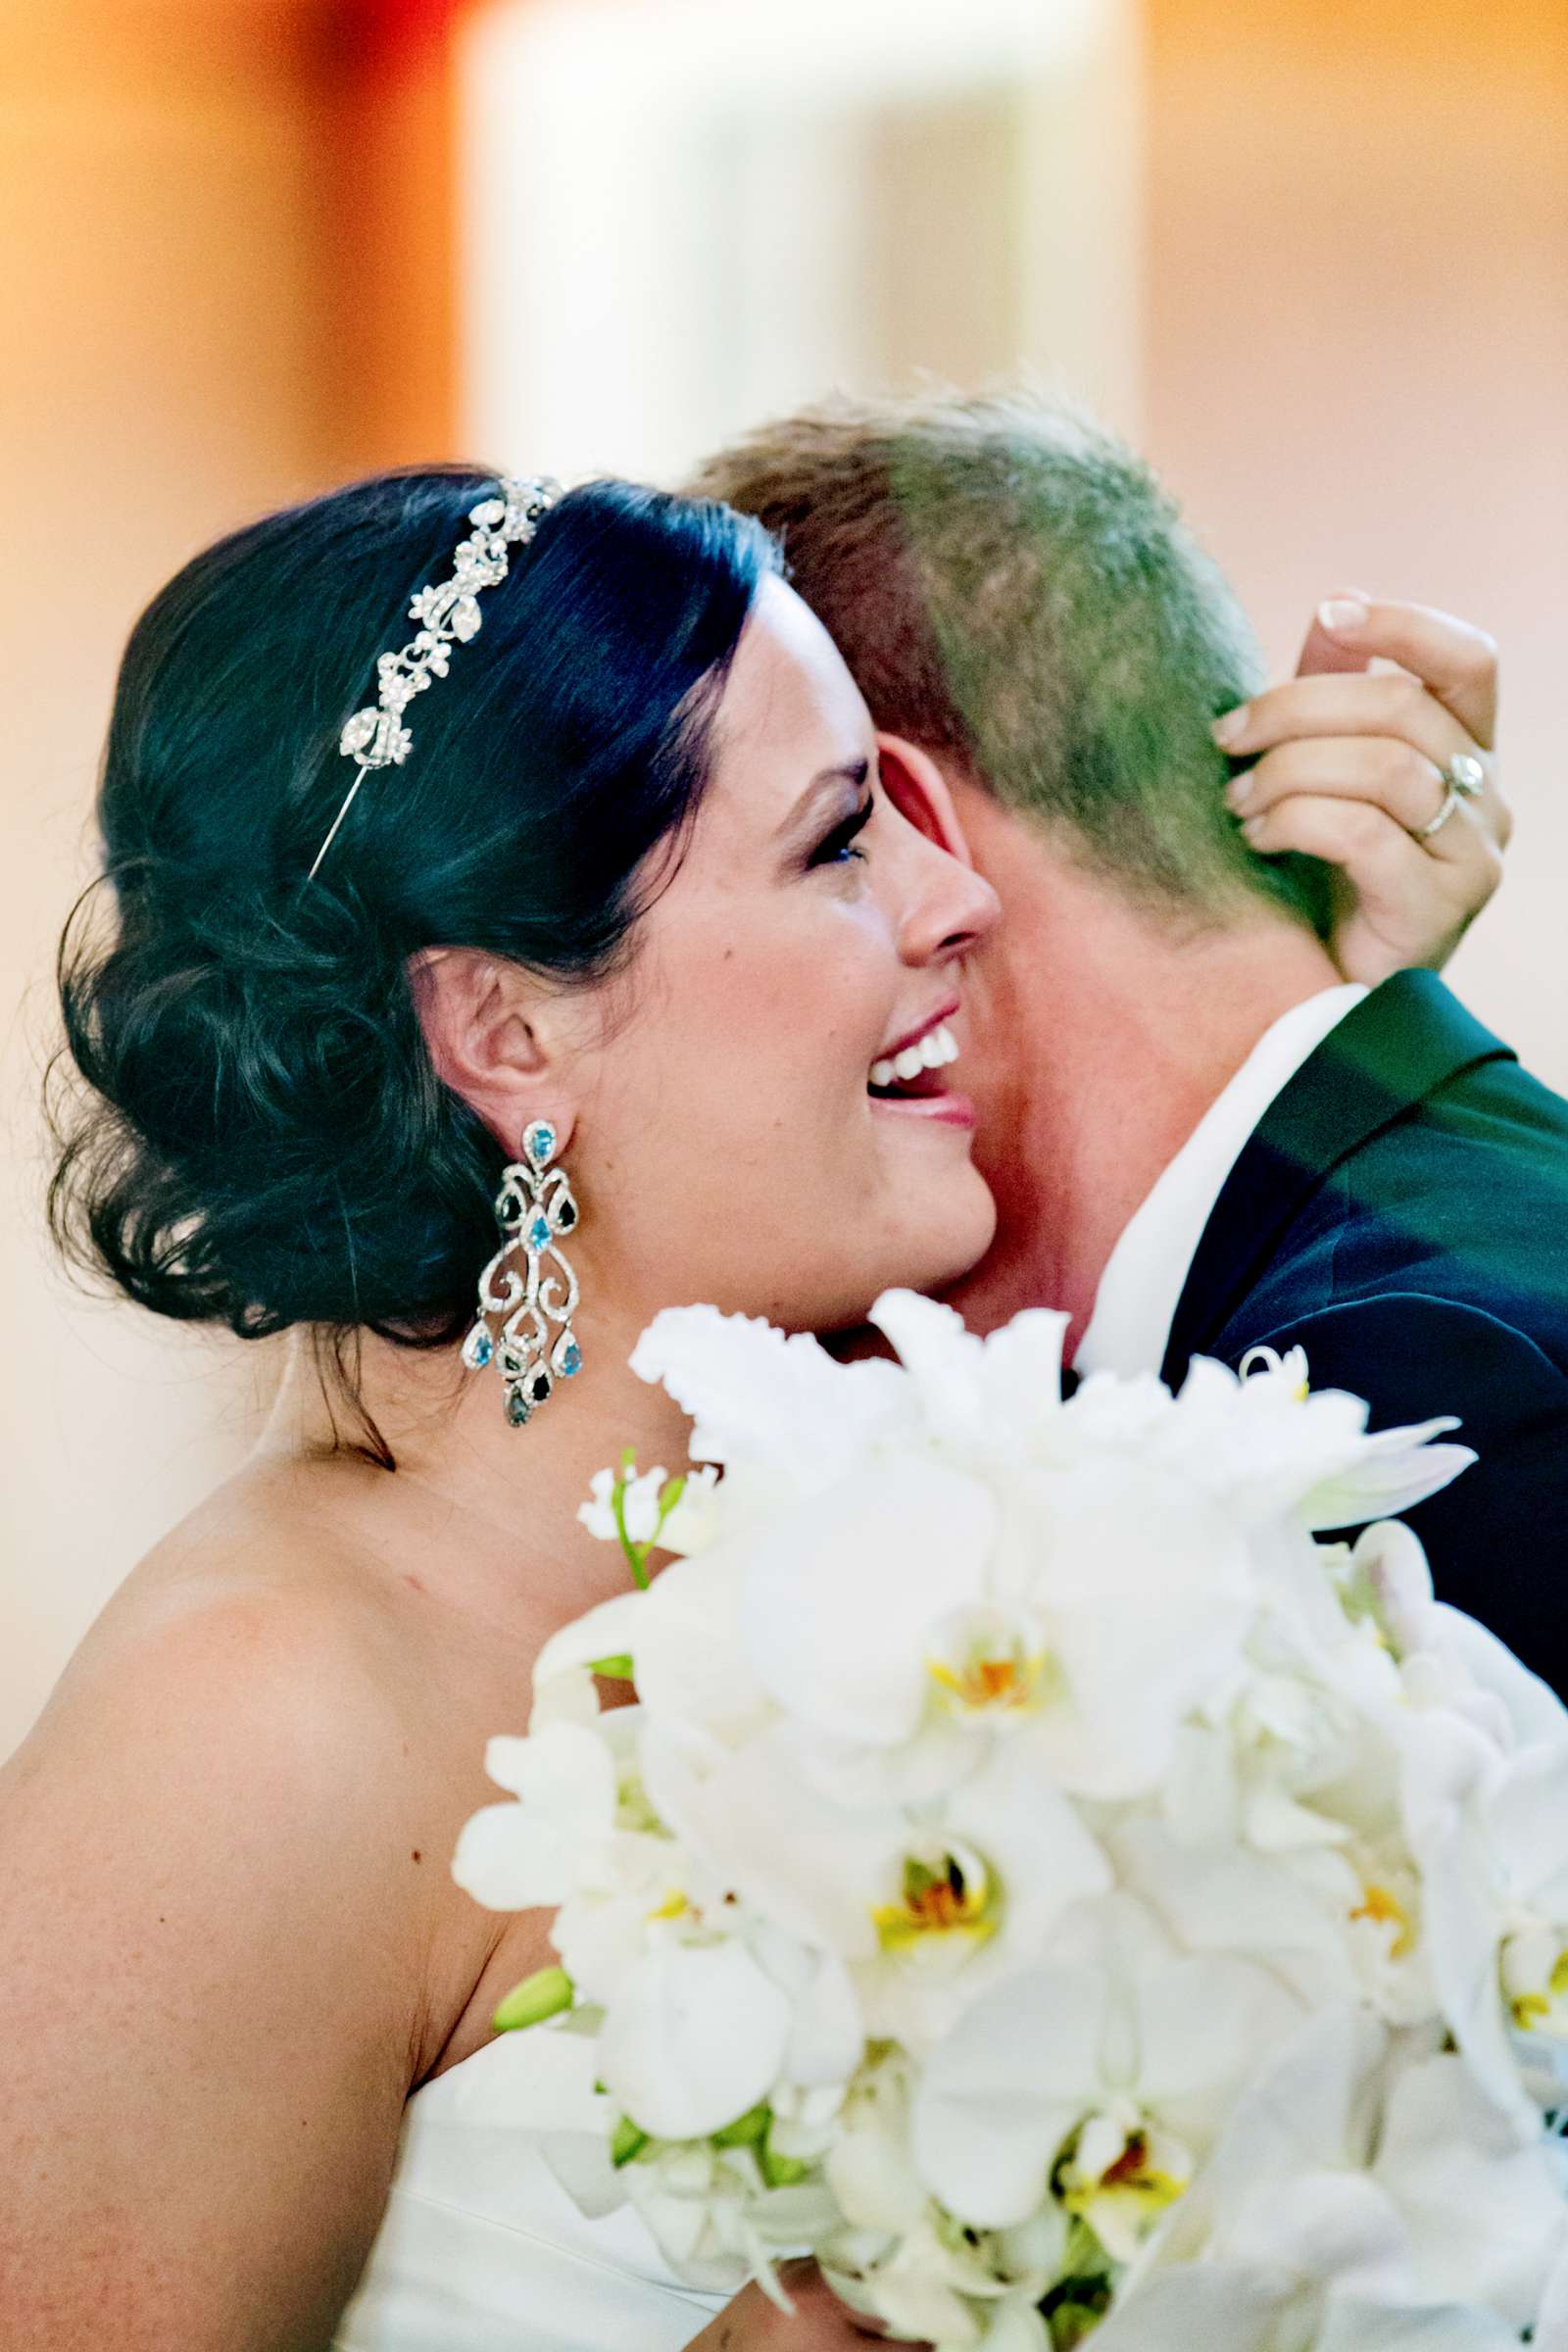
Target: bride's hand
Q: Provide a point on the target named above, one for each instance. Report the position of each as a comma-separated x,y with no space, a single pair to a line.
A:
1347,766
821,2324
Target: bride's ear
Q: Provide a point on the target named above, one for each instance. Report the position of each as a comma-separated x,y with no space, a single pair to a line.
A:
917,788
490,1033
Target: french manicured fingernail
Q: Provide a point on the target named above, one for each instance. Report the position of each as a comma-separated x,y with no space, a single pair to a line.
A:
1252,830
1233,726
1238,794
1341,616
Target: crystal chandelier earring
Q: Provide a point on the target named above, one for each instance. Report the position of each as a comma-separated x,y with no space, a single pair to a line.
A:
523,1325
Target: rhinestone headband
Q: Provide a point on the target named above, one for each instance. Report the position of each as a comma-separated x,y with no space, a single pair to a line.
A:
448,613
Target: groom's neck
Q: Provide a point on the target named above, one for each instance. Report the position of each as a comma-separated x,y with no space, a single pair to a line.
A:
1102,1038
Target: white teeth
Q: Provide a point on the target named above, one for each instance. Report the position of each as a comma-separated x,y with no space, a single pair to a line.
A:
933,1052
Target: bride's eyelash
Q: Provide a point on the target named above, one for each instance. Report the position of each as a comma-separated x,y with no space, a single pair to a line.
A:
839,845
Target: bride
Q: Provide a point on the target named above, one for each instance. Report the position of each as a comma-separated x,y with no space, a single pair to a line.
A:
622,878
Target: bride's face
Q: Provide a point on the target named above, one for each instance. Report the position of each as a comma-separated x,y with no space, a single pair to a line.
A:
732,1129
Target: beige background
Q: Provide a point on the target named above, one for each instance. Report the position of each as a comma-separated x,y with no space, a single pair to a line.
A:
1337,249
161,254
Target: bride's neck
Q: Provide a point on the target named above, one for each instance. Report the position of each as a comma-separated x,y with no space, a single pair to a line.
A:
499,1505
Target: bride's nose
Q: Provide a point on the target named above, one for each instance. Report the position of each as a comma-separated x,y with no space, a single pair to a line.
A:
950,910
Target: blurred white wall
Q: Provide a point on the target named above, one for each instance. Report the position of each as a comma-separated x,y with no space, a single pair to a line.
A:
686,216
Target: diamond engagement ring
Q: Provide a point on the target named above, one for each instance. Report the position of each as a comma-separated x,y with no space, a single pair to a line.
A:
1462,780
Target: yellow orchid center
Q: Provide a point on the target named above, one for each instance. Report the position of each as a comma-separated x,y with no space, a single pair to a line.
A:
1119,2174
949,1899
1534,1968
982,1684
676,1905
1382,1905
985,1662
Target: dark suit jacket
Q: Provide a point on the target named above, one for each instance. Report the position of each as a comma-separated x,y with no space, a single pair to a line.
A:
1401,1212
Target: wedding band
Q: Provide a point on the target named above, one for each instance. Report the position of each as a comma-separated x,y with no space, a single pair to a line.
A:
1462,780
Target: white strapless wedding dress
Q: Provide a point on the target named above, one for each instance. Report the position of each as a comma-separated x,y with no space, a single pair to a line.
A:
482,2250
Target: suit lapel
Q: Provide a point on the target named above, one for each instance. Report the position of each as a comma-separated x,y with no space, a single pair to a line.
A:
1391,1050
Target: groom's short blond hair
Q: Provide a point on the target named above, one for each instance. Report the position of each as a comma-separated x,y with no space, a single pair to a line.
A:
1013,590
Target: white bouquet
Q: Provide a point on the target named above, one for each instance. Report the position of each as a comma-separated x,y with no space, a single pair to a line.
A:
1039,1878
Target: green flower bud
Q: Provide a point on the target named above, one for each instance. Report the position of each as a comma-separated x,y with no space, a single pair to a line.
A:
544,1994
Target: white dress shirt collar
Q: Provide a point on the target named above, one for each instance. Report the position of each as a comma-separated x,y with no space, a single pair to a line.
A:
1146,1271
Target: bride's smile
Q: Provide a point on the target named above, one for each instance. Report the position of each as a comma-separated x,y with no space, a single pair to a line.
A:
798,979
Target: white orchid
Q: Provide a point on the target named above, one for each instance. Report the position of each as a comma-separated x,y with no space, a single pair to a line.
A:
1275,1445
777,1413
580,1837
1098,2078
637,1507
1490,1833
913,1599
924,1908
696,2036
715,2215
994,1399
896,2258
1363,2192
566,1778
682,1641
1129,1656
934,2284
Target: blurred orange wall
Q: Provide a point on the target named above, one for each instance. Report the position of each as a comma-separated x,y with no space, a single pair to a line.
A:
389,154
223,282
1355,360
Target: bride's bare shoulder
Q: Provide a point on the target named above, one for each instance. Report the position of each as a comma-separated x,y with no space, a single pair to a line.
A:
258,1597
260,1655
222,1846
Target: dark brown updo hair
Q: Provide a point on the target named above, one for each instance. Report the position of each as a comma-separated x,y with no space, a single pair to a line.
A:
261,1140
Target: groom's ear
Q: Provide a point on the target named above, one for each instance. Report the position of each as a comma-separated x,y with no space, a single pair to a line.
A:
919,791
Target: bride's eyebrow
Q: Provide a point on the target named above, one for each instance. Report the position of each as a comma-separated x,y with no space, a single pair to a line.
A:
797,823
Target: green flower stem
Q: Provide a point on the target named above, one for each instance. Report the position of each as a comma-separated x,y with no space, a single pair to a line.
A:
636,1553
669,1494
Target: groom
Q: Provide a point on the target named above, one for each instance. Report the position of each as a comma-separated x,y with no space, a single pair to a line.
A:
1200,1138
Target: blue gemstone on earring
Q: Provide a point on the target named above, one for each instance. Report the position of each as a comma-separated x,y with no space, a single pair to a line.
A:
477,1349
539,1232
571,1360
540,1142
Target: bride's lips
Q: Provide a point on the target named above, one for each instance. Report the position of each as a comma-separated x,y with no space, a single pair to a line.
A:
947,1111
905,1077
